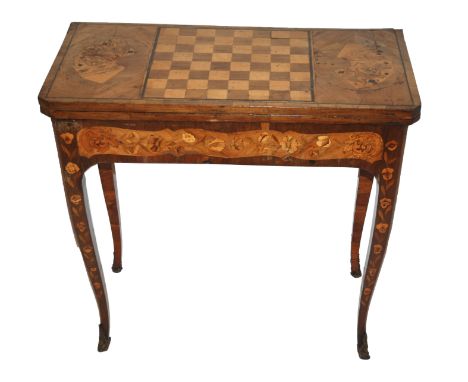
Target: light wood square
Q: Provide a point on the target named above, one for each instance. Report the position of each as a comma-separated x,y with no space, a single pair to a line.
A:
299,76
280,67
174,93
197,84
222,57
240,66
242,49
217,94
297,95
186,40
203,48
280,34
200,65
179,74
299,34
279,85
224,40
161,65
170,31
280,49
182,56
261,58
243,33
260,41
157,83
165,47
219,75
299,42
259,76
206,32
238,85
259,94
299,59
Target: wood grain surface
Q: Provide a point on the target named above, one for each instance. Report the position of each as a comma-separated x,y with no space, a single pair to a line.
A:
127,71
104,61
359,67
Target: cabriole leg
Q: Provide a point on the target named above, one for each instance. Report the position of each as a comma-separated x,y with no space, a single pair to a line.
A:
387,175
365,180
109,187
73,168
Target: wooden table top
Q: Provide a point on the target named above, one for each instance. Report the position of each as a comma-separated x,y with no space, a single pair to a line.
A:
141,71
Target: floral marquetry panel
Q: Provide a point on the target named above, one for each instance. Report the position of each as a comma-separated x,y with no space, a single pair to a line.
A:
103,140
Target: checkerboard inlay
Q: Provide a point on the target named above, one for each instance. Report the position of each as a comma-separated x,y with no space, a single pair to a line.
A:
230,64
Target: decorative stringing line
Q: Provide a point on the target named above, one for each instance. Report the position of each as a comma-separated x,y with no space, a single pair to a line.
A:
150,61
231,64
311,61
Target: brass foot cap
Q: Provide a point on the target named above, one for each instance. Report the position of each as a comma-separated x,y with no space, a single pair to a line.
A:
116,269
364,354
104,339
356,274
103,344
362,347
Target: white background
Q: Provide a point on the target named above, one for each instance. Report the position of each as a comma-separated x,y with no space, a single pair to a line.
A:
234,273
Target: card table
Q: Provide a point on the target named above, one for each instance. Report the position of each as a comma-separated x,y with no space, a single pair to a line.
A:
121,93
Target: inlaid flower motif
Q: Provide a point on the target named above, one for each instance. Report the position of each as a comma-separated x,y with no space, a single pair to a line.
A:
154,143
88,250
362,146
323,141
378,249
237,143
289,144
382,227
387,173
100,142
372,272
241,143
67,137
391,145
215,144
81,226
72,168
130,141
75,199
268,143
170,146
367,291
385,203
188,138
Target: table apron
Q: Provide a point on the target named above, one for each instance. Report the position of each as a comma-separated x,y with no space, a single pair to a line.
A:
288,145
